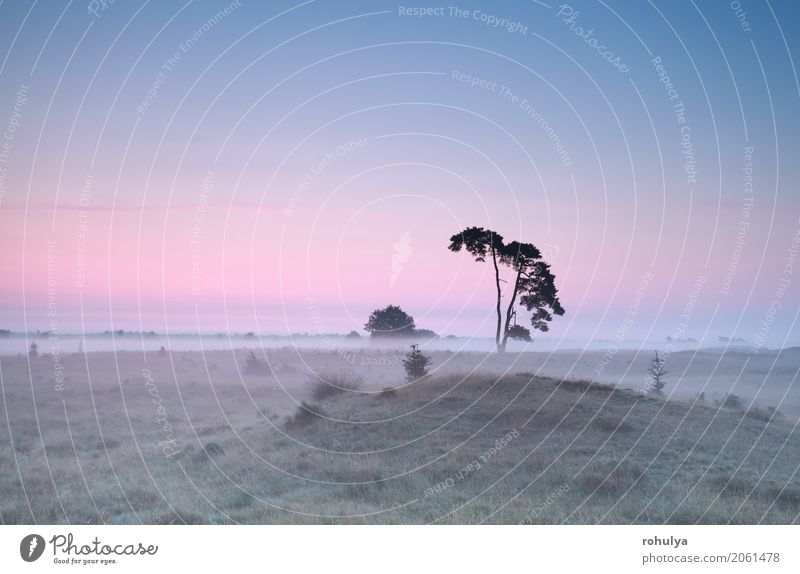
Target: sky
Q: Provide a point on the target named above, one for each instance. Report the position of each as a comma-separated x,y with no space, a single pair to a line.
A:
289,166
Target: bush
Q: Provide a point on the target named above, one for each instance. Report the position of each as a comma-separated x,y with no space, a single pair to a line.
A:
416,364
254,366
325,386
761,414
305,415
213,449
731,401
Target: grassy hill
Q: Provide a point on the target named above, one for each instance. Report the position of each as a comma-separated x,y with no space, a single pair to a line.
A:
451,449
524,449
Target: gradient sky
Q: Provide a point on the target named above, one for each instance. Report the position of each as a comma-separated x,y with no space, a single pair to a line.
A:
293,153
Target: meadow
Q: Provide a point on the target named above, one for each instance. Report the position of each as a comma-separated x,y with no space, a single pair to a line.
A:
322,436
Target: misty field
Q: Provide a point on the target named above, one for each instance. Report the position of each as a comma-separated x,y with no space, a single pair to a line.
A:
325,436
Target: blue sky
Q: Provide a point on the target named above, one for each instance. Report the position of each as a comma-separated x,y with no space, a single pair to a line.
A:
527,127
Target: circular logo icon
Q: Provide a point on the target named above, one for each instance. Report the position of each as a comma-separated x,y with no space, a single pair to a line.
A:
31,547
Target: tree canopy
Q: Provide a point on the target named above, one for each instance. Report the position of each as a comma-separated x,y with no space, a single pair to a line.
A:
532,287
391,321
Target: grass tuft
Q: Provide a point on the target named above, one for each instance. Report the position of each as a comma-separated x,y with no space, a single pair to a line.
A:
306,414
213,449
327,385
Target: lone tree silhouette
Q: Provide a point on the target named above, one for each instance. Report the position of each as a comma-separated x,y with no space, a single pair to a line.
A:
533,286
390,321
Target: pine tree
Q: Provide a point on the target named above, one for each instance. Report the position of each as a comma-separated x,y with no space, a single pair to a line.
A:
657,373
416,364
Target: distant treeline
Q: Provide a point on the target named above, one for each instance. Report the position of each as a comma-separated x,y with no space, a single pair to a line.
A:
423,333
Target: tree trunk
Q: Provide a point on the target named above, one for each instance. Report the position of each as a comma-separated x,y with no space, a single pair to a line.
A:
510,311
500,348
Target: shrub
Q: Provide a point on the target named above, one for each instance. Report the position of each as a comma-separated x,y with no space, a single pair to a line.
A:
325,386
416,364
306,414
731,401
761,414
254,366
213,449
775,413
33,352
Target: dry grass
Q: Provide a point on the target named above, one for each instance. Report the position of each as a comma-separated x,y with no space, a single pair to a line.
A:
407,454
327,385
306,414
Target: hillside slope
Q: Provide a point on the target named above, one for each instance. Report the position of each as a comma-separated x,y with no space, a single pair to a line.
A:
515,449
